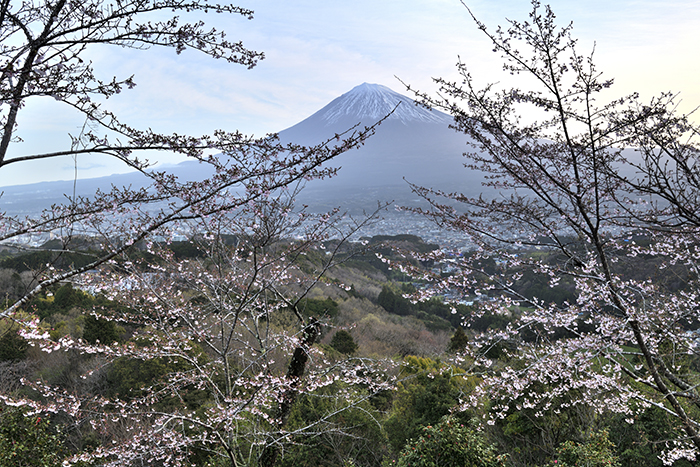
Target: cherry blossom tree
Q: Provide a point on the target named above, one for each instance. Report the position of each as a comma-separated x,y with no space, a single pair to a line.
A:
228,327
218,325
43,48
586,191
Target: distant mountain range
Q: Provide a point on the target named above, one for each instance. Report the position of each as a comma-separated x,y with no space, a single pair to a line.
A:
413,144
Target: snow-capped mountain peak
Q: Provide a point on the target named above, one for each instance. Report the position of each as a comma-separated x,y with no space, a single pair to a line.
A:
373,102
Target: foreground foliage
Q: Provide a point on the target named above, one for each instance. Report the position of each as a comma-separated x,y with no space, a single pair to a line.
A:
595,451
450,444
217,351
565,201
193,361
28,440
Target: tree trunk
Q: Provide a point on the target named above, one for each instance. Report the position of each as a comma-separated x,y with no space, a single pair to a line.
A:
296,369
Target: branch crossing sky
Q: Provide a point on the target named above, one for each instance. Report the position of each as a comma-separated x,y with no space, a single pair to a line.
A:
317,50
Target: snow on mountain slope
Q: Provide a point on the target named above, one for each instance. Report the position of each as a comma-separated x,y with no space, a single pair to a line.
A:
373,102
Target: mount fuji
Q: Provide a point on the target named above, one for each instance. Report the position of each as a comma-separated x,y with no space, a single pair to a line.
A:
371,102
413,144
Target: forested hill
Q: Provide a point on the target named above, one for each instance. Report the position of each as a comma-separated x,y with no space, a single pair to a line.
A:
367,311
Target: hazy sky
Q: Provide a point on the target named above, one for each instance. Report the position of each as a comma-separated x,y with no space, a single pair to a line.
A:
316,50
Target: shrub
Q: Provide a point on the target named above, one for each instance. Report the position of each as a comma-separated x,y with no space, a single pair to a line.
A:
448,444
13,347
27,441
343,342
596,451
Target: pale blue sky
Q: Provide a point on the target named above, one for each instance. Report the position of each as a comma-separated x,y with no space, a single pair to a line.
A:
316,50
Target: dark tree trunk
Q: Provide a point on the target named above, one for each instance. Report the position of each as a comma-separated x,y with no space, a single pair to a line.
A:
296,369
